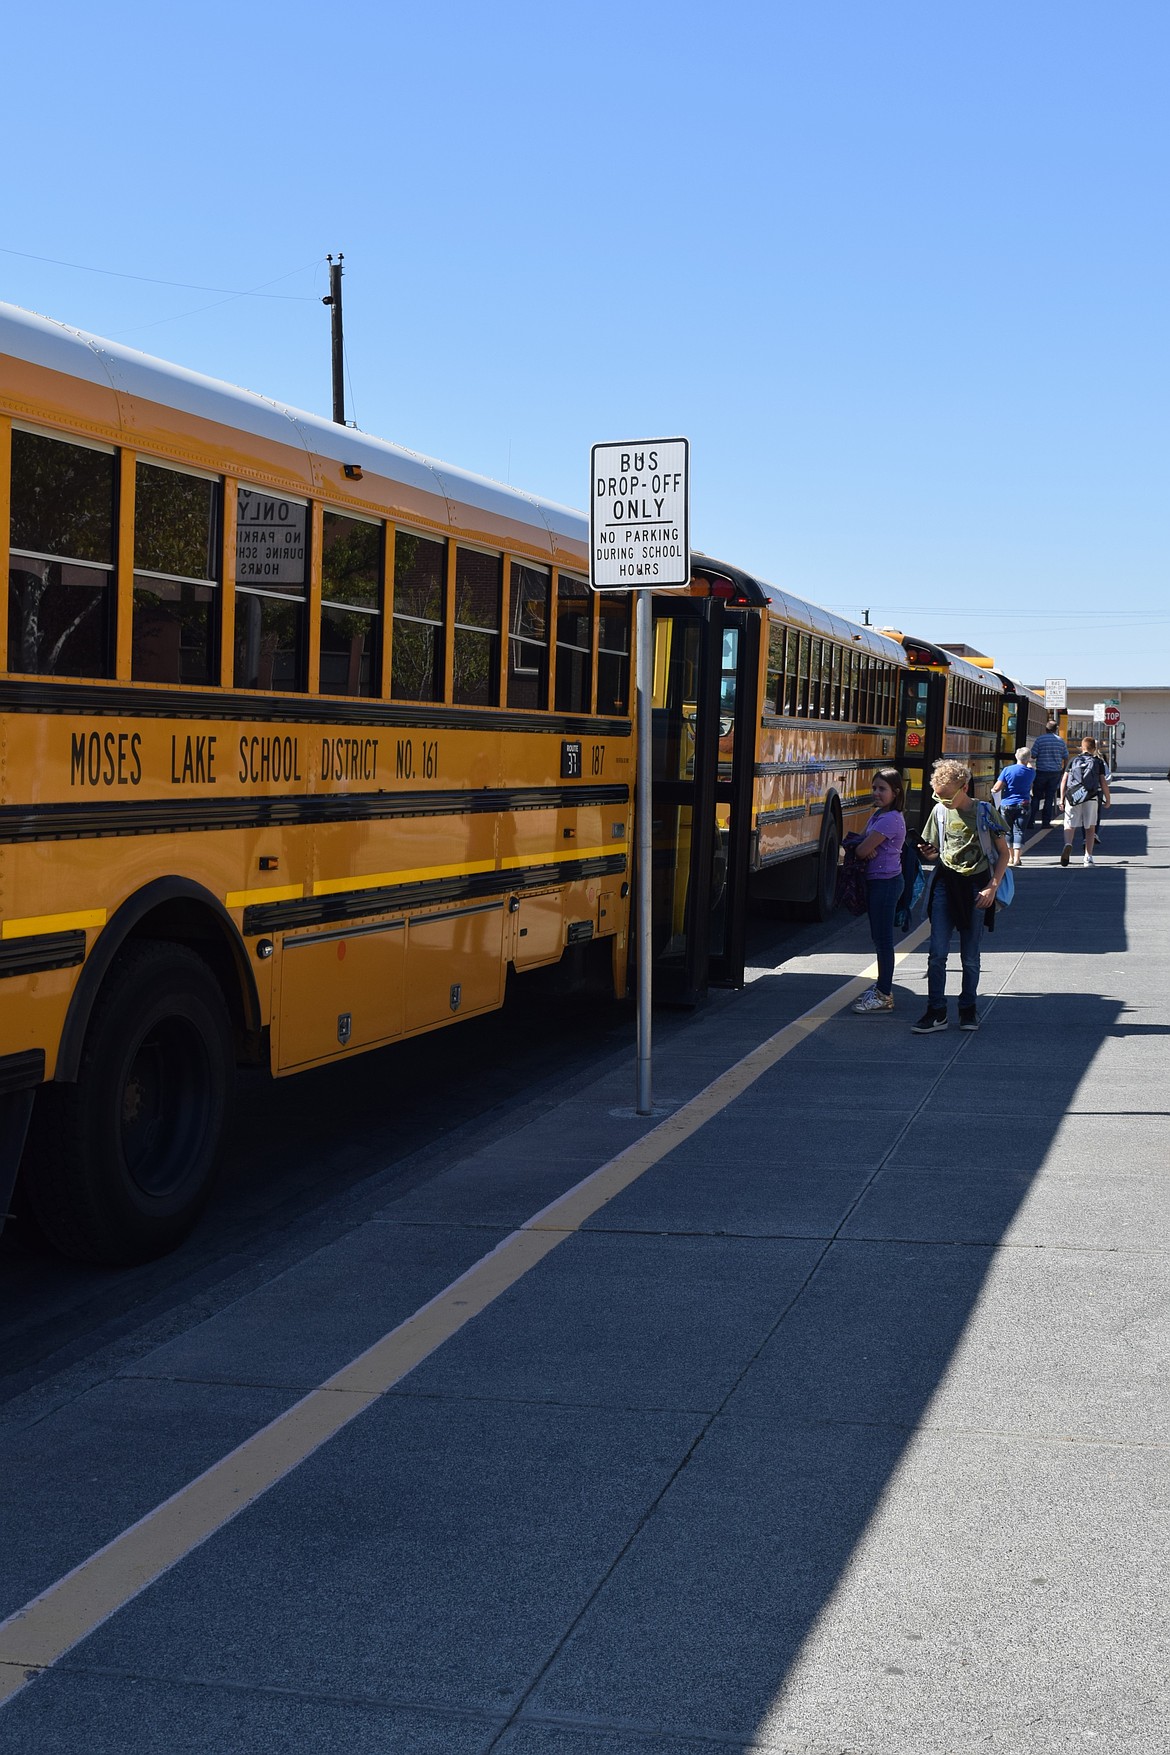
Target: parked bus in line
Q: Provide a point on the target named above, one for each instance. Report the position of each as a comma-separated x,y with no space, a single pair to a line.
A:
309,743
1024,717
305,742
950,707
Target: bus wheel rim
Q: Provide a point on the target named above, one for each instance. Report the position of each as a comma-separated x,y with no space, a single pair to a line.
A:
164,1108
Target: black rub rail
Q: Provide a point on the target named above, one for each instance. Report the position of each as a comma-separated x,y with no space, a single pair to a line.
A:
269,917
166,816
41,951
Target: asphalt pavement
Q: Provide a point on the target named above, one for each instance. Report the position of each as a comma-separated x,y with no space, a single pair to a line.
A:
823,1412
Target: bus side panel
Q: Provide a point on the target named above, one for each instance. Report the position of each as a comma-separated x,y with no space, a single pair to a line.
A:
339,990
32,1006
540,930
468,943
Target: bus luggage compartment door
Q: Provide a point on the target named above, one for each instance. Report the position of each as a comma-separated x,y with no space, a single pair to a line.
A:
340,989
454,964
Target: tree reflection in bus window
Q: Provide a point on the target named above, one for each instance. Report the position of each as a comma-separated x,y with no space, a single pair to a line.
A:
478,583
420,574
61,559
351,603
176,576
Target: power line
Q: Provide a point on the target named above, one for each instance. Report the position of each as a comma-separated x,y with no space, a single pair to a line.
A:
968,613
182,285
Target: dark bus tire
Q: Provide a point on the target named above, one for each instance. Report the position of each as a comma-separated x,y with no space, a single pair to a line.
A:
119,1165
824,897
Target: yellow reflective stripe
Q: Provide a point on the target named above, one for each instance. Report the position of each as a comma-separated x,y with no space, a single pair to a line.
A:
34,923
276,893
378,880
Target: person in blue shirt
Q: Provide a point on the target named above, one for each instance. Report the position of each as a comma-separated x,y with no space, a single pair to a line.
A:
1050,754
1013,793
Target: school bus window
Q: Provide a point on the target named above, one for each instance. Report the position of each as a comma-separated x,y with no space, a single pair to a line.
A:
835,704
802,677
420,577
814,679
271,599
854,676
774,688
478,579
613,654
61,560
574,646
351,604
791,664
176,576
530,592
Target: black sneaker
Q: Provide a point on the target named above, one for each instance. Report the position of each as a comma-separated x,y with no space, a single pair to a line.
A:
930,1021
1065,854
968,1018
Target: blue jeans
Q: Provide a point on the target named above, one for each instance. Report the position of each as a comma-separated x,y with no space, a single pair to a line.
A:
881,899
941,928
1044,789
1016,813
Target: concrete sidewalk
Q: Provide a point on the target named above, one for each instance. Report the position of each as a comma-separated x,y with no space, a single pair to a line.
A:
842,1427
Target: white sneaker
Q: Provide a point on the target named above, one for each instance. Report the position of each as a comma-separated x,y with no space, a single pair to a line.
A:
872,1001
1089,860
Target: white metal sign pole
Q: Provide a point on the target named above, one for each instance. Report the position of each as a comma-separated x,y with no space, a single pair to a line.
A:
640,541
645,665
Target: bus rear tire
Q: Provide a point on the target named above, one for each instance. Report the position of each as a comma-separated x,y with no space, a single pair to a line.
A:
119,1165
824,897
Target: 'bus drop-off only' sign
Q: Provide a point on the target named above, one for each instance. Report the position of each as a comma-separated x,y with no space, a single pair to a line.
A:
639,514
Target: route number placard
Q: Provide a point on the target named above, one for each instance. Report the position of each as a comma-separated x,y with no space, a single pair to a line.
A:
639,514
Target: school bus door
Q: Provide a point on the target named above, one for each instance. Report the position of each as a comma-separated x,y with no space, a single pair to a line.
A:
701,794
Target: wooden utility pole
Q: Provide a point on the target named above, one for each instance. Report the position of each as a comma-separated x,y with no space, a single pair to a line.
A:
334,301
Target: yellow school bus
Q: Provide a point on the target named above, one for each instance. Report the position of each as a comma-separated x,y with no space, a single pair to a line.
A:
804,706
306,741
950,707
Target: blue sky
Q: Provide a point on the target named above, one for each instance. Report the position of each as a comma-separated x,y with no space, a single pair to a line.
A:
900,271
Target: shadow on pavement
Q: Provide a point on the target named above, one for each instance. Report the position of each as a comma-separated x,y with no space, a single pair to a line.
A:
699,1627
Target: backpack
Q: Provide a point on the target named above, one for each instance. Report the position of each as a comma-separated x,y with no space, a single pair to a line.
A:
986,831
913,885
1084,778
851,892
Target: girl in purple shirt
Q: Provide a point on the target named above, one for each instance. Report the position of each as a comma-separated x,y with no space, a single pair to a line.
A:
881,851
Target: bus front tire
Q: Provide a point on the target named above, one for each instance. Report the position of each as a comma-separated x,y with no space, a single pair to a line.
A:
120,1164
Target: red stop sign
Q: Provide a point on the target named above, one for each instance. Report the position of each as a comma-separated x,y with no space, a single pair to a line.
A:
1113,715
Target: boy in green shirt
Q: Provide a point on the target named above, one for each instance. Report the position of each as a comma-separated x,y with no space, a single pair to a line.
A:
963,891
